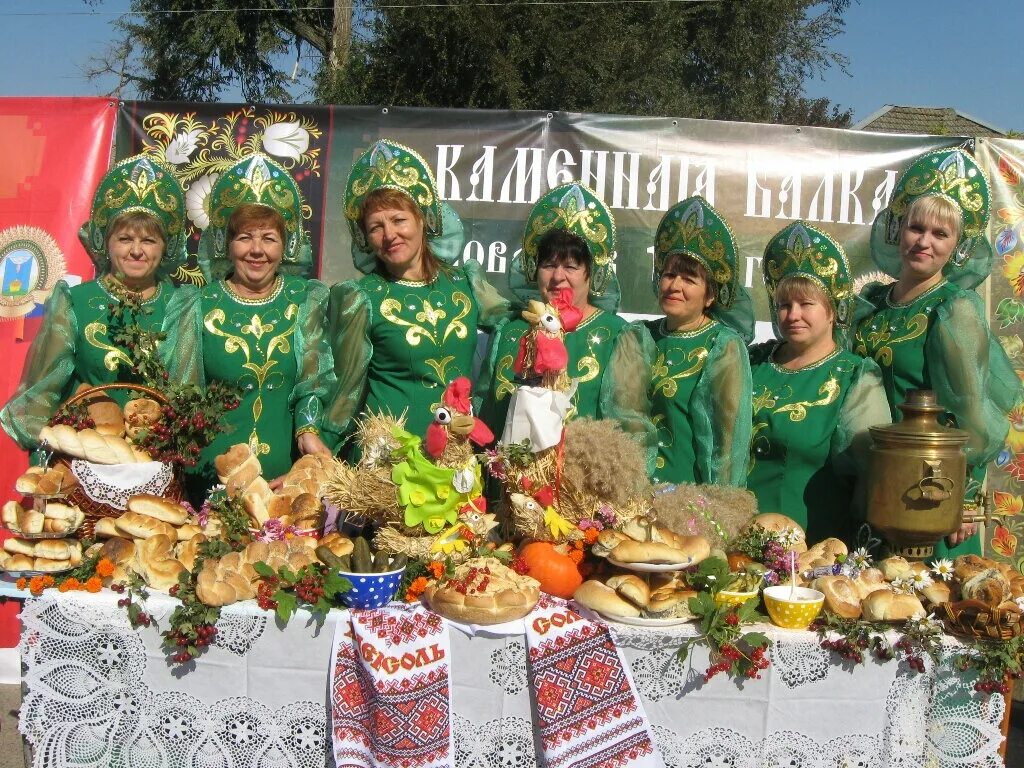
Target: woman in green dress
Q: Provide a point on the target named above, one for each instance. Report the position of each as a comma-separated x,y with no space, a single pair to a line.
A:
928,329
569,243
813,400
408,328
257,323
700,388
136,238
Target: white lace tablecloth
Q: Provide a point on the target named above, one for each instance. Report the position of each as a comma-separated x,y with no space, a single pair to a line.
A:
102,694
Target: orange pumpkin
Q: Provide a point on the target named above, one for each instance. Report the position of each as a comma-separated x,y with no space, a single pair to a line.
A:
557,573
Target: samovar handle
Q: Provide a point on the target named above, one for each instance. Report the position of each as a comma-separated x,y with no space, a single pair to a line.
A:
936,485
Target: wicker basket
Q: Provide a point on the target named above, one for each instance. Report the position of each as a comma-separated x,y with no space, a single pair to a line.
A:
975,619
95,510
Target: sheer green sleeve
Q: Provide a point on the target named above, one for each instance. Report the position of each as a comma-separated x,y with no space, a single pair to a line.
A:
348,323
49,368
865,405
971,375
493,308
483,398
625,387
722,412
182,347
314,378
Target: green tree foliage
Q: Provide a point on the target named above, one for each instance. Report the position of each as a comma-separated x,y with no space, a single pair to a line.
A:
722,59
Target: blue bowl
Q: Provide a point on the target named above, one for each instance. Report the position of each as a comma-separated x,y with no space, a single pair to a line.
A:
371,590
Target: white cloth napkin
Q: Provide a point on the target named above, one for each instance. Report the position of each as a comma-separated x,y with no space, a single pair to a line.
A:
537,414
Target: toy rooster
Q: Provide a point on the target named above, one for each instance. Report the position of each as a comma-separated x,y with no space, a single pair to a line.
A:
542,352
434,486
536,512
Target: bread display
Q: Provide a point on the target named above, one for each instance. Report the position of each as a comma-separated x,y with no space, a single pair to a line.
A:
158,508
55,519
232,578
40,481
598,596
43,555
638,543
483,591
842,597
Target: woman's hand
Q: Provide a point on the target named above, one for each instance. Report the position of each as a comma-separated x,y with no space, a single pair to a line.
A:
966,531
311,443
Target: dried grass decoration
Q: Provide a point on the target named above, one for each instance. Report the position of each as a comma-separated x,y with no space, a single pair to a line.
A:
716,512
601,467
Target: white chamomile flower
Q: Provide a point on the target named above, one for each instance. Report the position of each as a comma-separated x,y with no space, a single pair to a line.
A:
904,585
921,580
943,569
790,537
861,558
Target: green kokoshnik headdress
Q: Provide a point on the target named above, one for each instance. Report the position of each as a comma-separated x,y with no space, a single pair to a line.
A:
801,249
696,229
390,165
139,183
260,179
575,208
954,175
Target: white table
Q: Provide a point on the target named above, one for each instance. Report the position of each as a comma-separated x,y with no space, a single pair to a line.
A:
102,694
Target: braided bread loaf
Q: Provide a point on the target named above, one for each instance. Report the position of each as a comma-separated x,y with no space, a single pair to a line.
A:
90,445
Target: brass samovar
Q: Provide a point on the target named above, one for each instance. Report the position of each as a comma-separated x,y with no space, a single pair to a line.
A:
916,476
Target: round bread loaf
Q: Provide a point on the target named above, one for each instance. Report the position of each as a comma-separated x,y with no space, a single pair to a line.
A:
966,566
599,597
895,567
773,521
338,544
886,605
494,595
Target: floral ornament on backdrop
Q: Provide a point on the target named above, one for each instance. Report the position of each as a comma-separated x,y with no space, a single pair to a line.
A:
201,148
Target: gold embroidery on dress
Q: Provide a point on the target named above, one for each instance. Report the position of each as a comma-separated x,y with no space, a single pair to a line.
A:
114,356
669,385
664,439
456,326
882,341
233,343
798,411
439,366
505,385
389,309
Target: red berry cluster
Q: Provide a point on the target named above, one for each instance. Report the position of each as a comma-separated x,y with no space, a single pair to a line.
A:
265,594
202,635
732,659
468,584
851,650
519,565
992,686
310,588
914,661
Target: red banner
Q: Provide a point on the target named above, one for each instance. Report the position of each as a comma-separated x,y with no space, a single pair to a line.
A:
54,153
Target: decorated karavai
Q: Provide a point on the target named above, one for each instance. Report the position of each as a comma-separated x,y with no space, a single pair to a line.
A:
813,399
408,328
259,322
928,330
700,384
569,245
135,236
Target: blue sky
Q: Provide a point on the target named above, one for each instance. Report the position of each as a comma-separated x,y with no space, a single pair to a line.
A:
915,52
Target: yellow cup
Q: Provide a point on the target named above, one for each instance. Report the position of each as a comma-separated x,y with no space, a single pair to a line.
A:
795,612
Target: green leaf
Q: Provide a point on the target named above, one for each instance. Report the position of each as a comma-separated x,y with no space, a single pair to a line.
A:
263,570
286,605
755,639
288,575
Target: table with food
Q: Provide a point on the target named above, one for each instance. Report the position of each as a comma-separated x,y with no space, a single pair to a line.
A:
283,525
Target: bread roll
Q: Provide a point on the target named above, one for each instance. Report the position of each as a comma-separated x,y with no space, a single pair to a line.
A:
106,527
599,597
607,540
869,580
630,551
822,554
338,544
885,605
895,567
966,566
18,562
53,549
143,526
632,588
841,596
937,592
106,415
10,514
155,558
26,484
229,461
118,551
187,551
188,531
87,444
139,414
17,546
158,508
31,521
45,565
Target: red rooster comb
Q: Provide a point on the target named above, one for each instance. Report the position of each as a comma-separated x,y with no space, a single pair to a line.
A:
457,395
568,313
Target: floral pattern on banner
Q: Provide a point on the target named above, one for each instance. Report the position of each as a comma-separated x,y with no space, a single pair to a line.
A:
1004,163
200,142
390,692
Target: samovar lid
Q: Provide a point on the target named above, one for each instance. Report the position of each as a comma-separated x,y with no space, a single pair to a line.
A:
920,425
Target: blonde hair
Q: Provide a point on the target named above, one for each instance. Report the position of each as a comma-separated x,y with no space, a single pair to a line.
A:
934,209
802,288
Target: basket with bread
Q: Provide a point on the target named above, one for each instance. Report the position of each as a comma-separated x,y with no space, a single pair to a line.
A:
25,557
100,467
